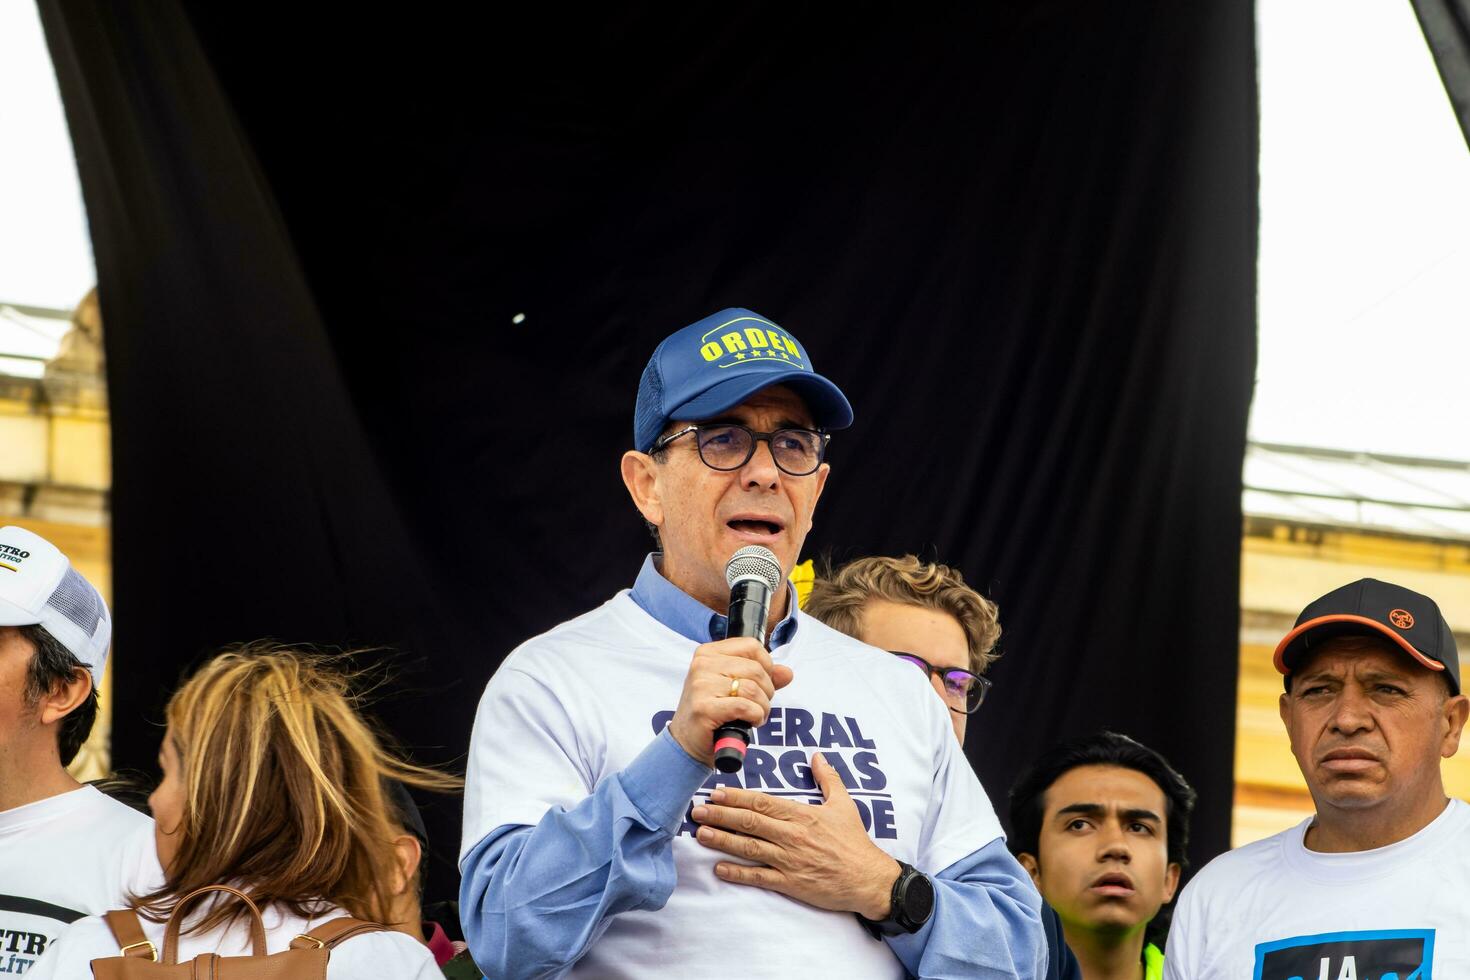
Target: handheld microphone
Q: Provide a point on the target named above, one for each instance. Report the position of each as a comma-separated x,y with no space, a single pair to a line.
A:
753,574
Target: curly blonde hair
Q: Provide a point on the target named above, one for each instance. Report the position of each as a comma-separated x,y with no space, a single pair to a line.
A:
838,597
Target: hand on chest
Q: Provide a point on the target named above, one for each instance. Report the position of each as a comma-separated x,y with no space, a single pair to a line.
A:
884,755
883,766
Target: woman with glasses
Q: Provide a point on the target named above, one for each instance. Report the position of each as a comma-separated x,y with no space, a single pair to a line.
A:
922,613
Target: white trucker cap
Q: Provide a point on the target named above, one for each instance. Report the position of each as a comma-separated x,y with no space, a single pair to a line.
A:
38,587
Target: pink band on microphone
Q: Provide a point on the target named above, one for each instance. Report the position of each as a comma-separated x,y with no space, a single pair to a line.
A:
730,742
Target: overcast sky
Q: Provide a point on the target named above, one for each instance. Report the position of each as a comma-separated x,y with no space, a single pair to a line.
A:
1365,235
45,254
1365,223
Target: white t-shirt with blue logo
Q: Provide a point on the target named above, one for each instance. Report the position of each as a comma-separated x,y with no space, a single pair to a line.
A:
1274,910
586,698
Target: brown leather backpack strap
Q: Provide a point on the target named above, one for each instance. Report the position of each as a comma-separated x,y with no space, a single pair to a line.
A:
338,930
176,920
128,932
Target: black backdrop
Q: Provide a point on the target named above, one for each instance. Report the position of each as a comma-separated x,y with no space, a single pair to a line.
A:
1446,26
1022,238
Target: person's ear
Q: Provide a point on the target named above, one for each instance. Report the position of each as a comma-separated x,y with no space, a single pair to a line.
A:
407,853
1033,868
640,476
1284,706
1171,881
65,698
823,471
1456,710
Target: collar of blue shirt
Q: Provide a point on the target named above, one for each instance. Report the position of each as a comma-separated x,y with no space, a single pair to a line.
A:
692,619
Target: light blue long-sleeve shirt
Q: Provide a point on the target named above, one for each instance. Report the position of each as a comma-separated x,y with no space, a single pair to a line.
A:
533,899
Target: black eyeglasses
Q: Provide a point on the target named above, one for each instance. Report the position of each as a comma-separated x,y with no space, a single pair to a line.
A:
964,692
797,452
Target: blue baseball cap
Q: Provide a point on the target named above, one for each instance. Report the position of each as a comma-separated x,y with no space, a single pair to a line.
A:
711,366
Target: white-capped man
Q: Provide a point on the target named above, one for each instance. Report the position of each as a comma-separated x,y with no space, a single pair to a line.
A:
61,854
1376,884
855,842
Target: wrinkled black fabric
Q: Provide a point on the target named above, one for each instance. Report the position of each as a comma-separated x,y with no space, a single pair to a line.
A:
1021,237
1446,26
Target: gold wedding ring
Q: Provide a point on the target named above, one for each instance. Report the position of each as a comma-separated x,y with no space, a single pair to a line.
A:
734,688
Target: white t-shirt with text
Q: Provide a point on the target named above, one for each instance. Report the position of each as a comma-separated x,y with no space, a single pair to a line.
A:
1274,910
576,705
62,858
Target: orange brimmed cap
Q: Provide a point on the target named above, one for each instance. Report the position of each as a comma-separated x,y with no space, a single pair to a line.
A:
1368,607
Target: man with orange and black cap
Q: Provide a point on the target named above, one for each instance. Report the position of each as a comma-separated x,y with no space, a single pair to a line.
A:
1377,882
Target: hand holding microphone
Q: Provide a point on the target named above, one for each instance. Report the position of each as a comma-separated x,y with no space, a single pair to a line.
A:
753,575
730,683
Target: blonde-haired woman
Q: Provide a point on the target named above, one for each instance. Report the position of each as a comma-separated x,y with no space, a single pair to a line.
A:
273,784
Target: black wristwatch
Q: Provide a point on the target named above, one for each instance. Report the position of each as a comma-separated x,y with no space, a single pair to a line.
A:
911,905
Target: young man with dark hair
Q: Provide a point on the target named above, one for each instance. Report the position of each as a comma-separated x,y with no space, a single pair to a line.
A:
61,843
1102,825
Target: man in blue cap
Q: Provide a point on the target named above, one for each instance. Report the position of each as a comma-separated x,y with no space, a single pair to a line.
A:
855,842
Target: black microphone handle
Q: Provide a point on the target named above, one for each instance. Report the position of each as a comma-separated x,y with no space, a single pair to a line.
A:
750,604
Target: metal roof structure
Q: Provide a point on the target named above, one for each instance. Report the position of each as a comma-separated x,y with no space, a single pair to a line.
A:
29,337
1426,498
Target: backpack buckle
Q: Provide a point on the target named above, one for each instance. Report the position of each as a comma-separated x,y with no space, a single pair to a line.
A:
152,949
315,942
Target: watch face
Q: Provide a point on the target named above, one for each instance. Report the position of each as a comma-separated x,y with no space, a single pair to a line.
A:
918,900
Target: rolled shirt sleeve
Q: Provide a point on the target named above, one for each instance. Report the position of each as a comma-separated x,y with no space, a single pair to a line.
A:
987,913
986,922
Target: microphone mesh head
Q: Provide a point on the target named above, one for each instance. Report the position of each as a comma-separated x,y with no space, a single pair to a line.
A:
753,560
